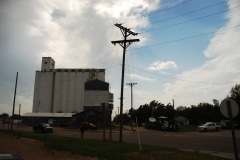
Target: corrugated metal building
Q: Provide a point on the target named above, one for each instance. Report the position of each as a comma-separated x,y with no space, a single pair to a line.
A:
69,90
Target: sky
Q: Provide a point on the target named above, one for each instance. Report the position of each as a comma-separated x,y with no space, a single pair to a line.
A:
188,49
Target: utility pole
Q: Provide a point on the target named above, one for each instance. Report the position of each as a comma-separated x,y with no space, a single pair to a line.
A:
14,100
104,121
19,109
131,85
173,103
124,44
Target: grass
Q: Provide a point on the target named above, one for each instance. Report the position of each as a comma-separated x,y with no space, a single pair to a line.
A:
109,150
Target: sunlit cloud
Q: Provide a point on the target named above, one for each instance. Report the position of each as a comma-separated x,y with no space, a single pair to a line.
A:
159,65
141,78
214,78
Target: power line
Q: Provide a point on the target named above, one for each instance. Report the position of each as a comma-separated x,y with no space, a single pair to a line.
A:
200,9
185,38
192,81
176,24
187,13
177,5
160,10
160,28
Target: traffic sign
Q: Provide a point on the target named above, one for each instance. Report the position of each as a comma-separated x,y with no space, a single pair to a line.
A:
224,107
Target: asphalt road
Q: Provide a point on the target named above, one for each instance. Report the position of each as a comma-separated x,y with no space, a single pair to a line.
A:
215,143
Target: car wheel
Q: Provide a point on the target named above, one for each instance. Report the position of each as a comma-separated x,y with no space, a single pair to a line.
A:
205,129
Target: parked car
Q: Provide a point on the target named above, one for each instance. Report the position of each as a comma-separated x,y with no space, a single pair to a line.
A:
225,124
9,157
165,126
43,127
209,126
88,126
156,125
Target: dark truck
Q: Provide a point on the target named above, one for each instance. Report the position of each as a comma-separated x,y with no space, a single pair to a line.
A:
43,128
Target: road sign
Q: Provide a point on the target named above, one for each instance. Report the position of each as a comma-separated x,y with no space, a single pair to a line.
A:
230,109
224,107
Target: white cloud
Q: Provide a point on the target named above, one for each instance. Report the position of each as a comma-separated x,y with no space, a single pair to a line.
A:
25,102
76,34
158,65
126,9
79,34
213,79
225,37
141,78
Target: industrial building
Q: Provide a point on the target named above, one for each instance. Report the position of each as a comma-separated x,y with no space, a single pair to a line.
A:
69,92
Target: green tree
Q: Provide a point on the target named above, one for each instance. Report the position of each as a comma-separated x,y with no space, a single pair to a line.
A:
4,117
125,117
16,116
235,93
193,115
182,111
170,112
153,105
216,102
160,110
143,113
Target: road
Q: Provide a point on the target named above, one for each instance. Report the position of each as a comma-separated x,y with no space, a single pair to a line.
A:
215,143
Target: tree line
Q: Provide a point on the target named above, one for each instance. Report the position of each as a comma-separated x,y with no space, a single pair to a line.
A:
196,114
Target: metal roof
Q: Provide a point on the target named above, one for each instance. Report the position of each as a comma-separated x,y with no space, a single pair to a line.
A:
48,114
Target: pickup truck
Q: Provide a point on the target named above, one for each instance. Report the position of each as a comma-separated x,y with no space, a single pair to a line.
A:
209,126
43,127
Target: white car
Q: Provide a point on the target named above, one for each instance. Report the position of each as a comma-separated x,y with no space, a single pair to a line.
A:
209,126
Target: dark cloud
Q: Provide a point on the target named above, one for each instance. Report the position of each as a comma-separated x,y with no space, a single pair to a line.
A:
75,35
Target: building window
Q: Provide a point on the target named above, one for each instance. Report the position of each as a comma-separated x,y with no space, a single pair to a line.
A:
45,62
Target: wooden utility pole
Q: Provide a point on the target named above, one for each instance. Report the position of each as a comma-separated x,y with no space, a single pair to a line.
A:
14,100
131,85
104,121
19,109
124,43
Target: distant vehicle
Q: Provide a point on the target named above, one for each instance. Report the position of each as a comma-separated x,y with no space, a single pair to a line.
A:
165,126
209,126
9,157
88,126
153,125
43,127
158,123
225,124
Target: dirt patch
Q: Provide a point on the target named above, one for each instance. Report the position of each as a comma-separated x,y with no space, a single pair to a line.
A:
30,149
